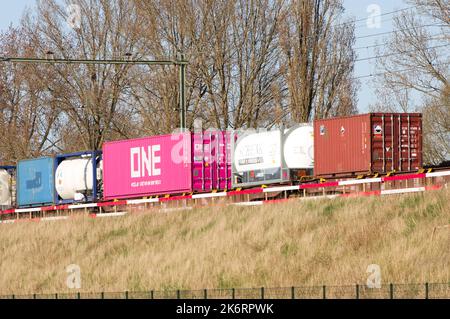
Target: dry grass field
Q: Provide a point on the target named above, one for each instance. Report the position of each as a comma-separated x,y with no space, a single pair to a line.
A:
311,242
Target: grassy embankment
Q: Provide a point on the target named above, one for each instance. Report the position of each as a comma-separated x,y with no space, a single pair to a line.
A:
296,243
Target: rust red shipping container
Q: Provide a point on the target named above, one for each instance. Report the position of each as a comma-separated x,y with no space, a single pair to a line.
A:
374,142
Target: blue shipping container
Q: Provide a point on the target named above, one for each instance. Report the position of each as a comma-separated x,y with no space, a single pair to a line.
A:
36,182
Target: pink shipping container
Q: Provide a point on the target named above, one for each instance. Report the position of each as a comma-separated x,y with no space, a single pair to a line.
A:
368,143
167,164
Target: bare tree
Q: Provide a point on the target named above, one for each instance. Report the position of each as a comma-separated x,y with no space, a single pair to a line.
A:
232,50
416,65
319,59
29,117
92,97
251,64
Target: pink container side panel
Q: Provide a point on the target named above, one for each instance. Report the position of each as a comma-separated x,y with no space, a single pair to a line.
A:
156,165
197,162
225,160
208,162
211,161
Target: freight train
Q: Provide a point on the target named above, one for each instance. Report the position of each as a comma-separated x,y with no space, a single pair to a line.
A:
209,161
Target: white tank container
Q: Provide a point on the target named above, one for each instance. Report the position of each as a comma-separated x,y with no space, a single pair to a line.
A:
263,150
5,188
258,151
74,177
299,147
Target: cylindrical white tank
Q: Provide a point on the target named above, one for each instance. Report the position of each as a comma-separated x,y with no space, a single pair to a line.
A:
5,188
263,150
74,177
299,147
258,151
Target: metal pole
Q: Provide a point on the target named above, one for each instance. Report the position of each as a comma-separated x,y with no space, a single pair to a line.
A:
87,61
182,84
181,63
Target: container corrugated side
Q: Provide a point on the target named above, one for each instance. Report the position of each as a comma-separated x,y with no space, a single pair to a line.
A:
342,145
368,143
35,182
211,161
147,166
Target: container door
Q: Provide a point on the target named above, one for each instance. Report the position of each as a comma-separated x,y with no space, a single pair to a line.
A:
231,139
398,146
383,148
410,142
207,157
214,161
204,169
198,163
382,131
223,163
396,142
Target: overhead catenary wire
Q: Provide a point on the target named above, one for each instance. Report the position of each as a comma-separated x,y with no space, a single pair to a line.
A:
400,30
364,19
383,20
398,53
394,71
432,37
380,15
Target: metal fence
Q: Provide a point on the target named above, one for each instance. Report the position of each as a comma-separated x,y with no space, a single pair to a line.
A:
388,291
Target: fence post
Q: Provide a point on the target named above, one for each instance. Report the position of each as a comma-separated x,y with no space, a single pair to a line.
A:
293,292
34,296
262,292
205,293
13,296
78,295
391,291
126,294
426,290
103,295
178,294
232,293
56,296
324,292
357,291
151,295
